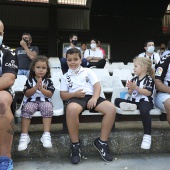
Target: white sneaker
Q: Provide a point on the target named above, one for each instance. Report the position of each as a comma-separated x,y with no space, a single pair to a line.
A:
146,142
46,140
128,106
23,142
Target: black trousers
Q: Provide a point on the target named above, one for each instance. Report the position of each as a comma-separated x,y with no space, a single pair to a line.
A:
100,64
144,108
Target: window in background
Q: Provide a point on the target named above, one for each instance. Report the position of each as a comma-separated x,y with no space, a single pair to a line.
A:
105,46
166,21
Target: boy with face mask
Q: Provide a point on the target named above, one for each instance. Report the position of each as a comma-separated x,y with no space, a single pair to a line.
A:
149,52
73,44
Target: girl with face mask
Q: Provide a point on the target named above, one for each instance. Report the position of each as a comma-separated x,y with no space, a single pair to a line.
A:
94,55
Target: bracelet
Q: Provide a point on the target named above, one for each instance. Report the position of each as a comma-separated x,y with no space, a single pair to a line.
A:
137,89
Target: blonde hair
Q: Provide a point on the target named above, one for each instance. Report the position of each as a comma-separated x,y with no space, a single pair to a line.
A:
145,62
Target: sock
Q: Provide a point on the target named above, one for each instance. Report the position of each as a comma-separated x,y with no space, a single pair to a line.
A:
102,142
24,134
76,143
46,133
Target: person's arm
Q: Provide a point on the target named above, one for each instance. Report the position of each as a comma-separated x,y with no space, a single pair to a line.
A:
96,94
160,86
98,56
132,86
30,54
66,95
7,80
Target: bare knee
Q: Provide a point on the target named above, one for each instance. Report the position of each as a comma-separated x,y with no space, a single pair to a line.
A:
3,107
73,110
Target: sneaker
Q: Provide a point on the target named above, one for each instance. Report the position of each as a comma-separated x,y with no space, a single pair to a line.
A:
75,154
103,150
23,142
146,142
128,106
6,163
46,140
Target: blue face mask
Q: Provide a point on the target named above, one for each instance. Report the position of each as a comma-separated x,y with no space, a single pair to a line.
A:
151,49
1,39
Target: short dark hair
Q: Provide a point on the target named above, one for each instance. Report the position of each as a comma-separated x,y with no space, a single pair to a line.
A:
25,33
72,35
145,44
73,51
96,40
83,43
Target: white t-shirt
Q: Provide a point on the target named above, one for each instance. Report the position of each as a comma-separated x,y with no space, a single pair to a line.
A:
155,58
84,79
96,53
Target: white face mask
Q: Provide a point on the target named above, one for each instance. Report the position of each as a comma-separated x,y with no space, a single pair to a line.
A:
151,49
93,45
74,72
1,39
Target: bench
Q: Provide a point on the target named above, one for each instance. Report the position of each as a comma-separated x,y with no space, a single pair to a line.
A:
122,92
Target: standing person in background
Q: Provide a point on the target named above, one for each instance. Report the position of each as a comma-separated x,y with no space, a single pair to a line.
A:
83,48
162,49
73,38
100,48
38,92
94,56
8,73
25,54
141,89
149,52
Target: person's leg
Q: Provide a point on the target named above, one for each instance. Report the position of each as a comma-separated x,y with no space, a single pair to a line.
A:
144,108
6,124
26,73
72,118
167,107
26,114
108,120
64,65
6,130
46,109
101,63
20,72
120,100
84,62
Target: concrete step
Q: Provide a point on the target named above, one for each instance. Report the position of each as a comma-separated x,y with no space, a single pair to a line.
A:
126,139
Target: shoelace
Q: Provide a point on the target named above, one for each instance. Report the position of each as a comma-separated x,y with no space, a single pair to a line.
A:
75,150
106,148
47,137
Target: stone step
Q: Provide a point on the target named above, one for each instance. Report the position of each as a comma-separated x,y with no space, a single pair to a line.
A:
126,139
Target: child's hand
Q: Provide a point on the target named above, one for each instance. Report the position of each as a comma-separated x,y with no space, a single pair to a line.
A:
80,93
131,85
39,84
91,103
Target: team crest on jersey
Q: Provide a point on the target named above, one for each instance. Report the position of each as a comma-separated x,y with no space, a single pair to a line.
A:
159,71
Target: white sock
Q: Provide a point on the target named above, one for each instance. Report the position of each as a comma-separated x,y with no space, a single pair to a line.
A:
24,134
46,133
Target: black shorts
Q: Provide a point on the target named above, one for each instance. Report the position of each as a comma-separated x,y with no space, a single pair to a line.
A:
83,102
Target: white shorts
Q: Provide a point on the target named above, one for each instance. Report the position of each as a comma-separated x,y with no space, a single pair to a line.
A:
160,99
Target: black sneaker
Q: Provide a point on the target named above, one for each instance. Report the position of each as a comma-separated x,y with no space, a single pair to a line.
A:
75,154
103,150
